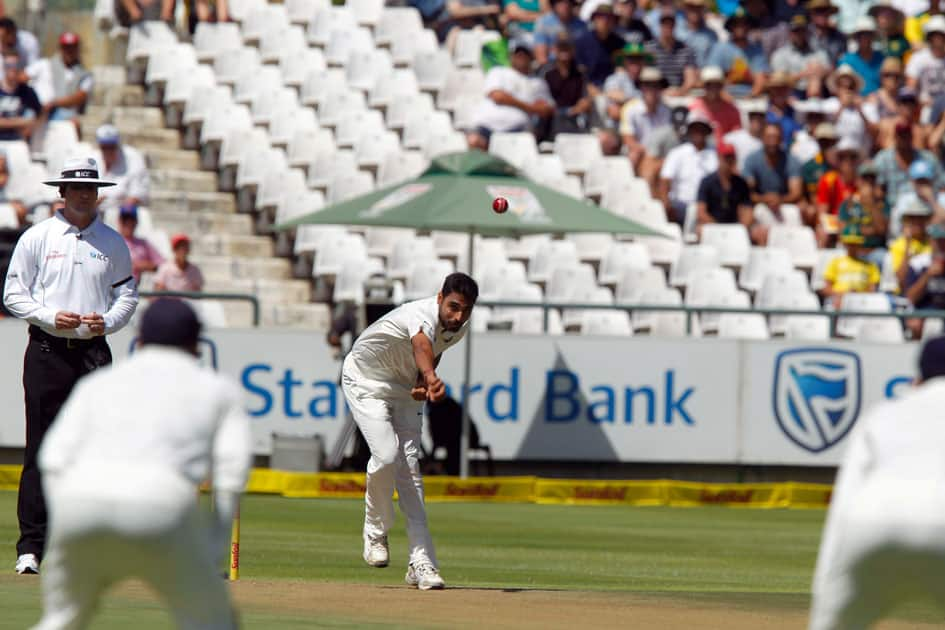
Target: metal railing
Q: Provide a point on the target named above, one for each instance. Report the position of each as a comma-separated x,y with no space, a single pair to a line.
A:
691,310
195,295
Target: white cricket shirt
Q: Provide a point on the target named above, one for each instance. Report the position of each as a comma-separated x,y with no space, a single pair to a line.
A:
685,167
55,267
159,410
383,354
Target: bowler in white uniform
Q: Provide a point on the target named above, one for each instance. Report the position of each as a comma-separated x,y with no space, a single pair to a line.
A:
884,539
386,377
120,468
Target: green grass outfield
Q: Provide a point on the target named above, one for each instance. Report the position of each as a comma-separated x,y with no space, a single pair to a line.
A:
741,557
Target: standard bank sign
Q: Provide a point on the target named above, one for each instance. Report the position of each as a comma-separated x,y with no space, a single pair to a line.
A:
817,395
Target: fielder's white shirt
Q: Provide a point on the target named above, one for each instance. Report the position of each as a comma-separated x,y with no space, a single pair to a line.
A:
55,267
159,410
383,353
685,167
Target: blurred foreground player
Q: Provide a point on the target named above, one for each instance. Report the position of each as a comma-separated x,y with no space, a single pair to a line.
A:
121,467
386,377
884,540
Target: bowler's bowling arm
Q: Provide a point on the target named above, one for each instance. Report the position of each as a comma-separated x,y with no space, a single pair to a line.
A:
423,356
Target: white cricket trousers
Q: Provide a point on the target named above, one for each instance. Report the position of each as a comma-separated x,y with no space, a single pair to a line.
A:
888,547
392,429
146,526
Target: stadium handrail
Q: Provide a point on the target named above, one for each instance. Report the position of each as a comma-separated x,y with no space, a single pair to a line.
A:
197,295
689,310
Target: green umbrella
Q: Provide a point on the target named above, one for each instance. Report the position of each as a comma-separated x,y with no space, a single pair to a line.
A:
455,194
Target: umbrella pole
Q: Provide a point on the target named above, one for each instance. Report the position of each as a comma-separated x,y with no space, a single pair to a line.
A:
464,433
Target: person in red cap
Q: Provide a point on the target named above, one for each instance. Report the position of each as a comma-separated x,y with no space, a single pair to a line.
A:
61,82
179,274
724,196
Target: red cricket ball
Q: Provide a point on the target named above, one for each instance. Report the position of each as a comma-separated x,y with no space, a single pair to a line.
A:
500,205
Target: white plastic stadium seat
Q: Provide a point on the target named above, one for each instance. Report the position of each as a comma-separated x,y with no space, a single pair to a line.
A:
799,240
863,302
620,257
438,144
732,241
326,21
349,185
281,41
262,19
307,144
387,87
593,246
320,84
460,86
517,149
431,69
549,255
420,126
426,278
601,172
296,66
743,326
403,106
400,167
380,241
692,257
395,20
335,253
406,253
284,127
341,43
349,283
494,277
530,321
880,330
606,322
633,283
665,249
763,261
230,64
577,150
373,147
302,12
512,292
566,279
337,105
365,67
467,49
354,124
405,46
572,318
330,165
807,327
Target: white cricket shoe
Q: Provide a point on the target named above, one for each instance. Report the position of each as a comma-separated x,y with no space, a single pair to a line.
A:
27,564
424,576
376,552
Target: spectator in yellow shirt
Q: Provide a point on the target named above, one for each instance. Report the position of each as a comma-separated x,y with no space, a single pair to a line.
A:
852,273
914,241
915,25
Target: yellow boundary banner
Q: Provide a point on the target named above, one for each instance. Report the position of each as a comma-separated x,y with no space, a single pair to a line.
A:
536,490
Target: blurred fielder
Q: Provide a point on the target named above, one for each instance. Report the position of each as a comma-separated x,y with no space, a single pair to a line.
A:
120,468
884,540
389,372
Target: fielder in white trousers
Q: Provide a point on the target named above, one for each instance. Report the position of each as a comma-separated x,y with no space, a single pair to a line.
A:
387,376
884,539
121,468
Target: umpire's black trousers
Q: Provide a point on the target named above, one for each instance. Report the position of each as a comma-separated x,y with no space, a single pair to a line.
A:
51,367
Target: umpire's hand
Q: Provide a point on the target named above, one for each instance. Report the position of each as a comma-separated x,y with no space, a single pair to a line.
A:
67,320
95,322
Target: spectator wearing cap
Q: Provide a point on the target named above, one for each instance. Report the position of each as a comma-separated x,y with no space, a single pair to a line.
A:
925,71
568,88
676,60
685,167
892,166
512,98
630,27
743,61
62,84
723,196
890,21
913,241
866,208
724,116
22,42
854,272
694,32
865,61
773,175
144,257
823,35
179,274
747,140
850,120
20,108
129,12
925,279
126,167
837,185
884,102
922,190
659,9
780,111
805,66
624,84
805,145
640,118
813,169
595,49
560,20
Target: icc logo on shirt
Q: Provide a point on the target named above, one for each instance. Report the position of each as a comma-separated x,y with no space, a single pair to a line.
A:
816,395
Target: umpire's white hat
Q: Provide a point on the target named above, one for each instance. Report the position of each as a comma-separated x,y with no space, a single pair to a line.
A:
79,171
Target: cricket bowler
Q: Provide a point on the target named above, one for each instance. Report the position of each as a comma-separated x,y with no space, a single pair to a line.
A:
389,373
121,467
884,539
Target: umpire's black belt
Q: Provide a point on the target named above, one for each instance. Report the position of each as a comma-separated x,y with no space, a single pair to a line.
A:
67,343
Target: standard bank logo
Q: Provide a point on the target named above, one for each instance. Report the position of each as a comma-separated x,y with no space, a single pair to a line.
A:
817,395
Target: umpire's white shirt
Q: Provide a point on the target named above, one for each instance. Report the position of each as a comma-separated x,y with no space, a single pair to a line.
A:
56,267
382,356
157,414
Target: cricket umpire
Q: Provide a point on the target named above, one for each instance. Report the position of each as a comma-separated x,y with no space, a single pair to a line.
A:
70,278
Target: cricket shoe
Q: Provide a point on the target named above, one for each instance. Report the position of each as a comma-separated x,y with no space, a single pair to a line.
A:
424,576
376,552
27,564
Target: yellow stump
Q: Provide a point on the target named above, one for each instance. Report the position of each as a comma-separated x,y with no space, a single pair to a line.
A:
235,546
